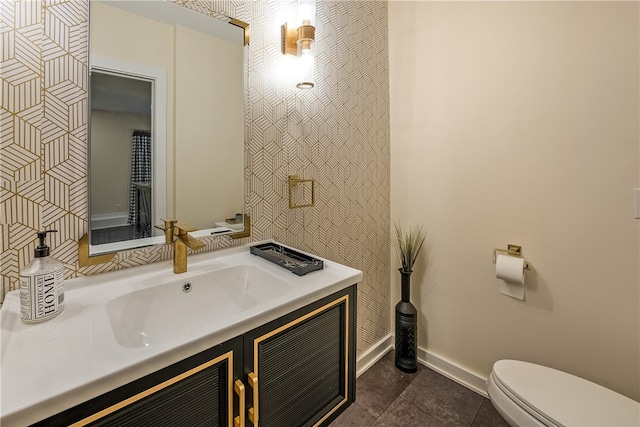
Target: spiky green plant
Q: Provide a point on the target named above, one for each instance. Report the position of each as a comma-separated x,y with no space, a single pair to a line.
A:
409,245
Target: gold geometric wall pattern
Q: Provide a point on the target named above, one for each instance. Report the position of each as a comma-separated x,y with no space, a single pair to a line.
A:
336,133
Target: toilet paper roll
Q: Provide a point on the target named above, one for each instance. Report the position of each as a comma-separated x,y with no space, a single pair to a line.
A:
510,268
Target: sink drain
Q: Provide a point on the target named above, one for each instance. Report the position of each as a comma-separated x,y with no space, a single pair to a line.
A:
186,287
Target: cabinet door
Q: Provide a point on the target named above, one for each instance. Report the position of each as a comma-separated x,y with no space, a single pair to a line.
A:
301,367
196,391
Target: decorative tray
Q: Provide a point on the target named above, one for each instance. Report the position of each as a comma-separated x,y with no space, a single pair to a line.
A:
293,261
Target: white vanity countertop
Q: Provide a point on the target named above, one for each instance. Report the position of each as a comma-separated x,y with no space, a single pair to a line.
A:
51,366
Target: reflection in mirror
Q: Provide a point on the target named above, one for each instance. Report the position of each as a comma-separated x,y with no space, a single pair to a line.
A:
166,123
121,172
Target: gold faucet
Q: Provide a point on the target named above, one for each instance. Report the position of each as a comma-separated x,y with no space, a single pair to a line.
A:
178,234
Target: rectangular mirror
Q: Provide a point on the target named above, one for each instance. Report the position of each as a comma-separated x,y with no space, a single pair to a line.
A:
166,135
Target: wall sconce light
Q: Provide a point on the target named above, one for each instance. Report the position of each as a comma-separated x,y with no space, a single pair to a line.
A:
298,39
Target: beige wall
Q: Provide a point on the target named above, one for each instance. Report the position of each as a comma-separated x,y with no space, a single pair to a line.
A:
208,118
518,122
111,159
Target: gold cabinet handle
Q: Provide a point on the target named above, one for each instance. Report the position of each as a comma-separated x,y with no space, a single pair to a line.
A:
253,411
238,387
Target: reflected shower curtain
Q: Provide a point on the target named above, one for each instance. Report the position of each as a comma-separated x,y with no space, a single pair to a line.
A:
140,169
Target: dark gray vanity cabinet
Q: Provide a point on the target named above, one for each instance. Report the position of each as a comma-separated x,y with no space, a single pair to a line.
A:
301,367
297,370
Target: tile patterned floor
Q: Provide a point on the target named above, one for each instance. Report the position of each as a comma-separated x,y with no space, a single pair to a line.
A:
387,397
116,234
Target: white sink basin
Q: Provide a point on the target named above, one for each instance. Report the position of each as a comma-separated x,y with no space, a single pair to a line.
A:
179,305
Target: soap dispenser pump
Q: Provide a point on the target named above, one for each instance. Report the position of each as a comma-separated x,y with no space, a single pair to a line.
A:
41,285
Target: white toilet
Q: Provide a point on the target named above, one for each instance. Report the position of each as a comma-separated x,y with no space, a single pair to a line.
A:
526,394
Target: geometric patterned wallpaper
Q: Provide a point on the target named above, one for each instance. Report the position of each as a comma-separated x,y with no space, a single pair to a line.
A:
336,133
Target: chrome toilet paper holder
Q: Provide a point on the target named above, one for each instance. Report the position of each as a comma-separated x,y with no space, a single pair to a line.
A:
512,250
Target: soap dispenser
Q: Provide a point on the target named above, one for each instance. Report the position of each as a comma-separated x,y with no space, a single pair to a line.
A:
41,285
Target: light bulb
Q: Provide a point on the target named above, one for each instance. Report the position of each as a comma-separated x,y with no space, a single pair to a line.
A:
305,69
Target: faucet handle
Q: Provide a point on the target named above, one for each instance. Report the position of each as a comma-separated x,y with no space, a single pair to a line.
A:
169,224
182,233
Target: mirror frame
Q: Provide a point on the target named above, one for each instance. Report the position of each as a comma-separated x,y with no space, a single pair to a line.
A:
86,255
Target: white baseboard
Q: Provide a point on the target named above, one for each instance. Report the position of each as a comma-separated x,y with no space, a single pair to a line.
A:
470,380
375,353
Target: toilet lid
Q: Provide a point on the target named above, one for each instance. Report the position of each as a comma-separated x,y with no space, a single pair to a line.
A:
564,399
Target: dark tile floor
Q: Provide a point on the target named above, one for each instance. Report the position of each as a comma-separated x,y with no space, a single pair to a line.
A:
117,234
387,397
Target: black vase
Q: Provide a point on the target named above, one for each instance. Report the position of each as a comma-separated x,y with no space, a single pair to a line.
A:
406,328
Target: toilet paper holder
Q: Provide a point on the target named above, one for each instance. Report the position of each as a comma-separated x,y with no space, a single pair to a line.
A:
513,250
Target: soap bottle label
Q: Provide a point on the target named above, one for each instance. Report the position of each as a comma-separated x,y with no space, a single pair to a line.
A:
41,296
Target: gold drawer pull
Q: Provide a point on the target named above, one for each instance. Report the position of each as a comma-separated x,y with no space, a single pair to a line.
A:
253,412
239,389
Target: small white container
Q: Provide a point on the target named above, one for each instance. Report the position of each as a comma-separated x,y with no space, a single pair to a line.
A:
41,285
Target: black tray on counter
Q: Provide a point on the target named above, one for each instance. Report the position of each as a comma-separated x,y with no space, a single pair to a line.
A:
296,262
